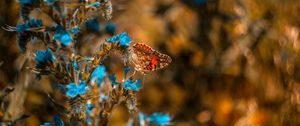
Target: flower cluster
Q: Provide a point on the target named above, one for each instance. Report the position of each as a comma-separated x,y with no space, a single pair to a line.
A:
44,58
134,86
81,79
122,38
98,75
63,36
33,23
74,90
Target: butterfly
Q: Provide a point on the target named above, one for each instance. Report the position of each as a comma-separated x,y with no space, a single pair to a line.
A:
146,59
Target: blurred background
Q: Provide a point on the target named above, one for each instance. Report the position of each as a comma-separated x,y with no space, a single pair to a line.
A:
235,62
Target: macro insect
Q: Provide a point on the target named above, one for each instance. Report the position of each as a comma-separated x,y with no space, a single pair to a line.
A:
147,59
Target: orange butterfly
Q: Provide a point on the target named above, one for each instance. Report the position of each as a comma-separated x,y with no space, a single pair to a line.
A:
147,59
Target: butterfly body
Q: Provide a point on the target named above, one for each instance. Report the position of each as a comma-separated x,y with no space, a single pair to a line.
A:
147,59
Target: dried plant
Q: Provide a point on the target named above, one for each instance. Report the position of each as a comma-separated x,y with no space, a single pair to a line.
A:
91,91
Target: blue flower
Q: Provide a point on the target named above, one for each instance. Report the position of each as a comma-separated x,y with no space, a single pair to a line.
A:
35,22
104,97
58,121
93,25
136,86
123,39
89,120
63,37
47,124
89,108
32,23
142,118
130,85
98,74
160,119
110,28
75,65
27,1
113,39
113,79
73,90
43,57
75,30
96,4
21,27
126,71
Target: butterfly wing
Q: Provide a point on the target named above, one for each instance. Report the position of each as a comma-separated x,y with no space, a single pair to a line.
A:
140,56
147,59
159,60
